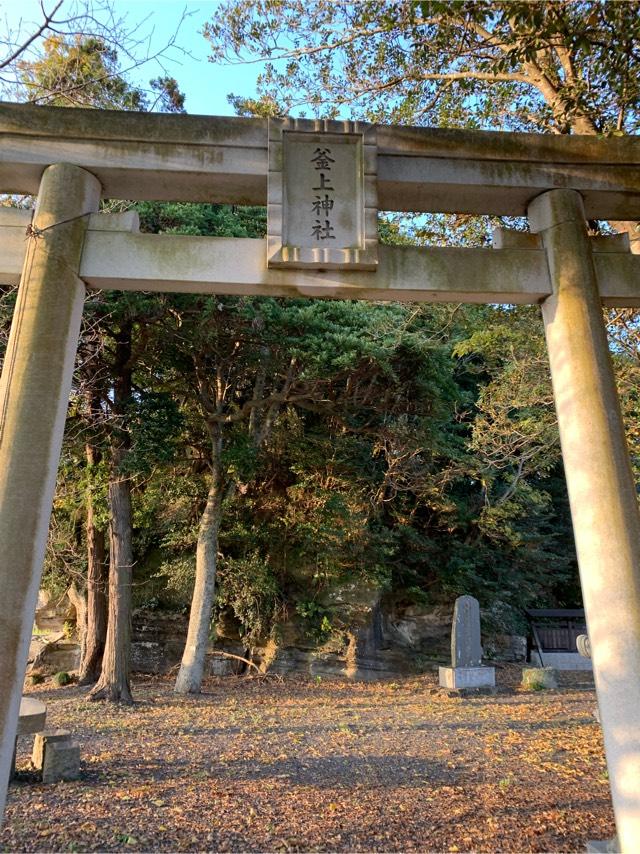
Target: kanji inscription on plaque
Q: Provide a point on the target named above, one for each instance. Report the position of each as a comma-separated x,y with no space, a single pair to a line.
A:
322,195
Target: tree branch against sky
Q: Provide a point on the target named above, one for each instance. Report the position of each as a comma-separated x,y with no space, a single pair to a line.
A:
559,67
24,40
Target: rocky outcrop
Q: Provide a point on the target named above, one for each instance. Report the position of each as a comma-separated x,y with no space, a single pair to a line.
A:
512,648
157,640
53,648
419,631
52,653
52,614
363,637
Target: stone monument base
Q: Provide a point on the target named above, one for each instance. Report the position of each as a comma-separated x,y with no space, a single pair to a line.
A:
458,678
605,846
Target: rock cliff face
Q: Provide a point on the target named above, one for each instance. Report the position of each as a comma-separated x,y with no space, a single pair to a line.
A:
365,639
52,647
157,641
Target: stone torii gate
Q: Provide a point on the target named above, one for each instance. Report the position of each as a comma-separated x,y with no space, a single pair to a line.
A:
323,182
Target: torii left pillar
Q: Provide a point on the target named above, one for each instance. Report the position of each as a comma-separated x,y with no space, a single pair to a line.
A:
34,393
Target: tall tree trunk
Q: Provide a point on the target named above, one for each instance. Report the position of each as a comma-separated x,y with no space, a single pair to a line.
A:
113,684
97,580
191,672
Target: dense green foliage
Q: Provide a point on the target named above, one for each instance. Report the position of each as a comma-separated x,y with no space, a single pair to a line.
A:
407,445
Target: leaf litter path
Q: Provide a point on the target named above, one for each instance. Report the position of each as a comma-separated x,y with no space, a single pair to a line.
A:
308,765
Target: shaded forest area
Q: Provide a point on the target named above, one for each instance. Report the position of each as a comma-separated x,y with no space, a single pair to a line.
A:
410,447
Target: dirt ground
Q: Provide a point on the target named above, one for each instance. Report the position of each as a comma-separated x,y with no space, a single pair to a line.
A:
319,765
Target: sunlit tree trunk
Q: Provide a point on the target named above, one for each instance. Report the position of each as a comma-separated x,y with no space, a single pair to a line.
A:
191,672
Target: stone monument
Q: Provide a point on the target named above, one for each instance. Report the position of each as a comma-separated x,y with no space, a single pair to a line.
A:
467,670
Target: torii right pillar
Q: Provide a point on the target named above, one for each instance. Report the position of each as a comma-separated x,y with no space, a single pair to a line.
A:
602,491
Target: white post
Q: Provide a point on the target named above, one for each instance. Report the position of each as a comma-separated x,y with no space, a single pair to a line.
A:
34,393
602,492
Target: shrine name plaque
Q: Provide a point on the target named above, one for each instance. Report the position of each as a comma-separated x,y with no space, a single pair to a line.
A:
322,211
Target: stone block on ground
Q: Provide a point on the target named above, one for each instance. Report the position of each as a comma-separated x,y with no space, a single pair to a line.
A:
537,678
561,661
603,846
61,762
41,741
219,666
462,678
32,715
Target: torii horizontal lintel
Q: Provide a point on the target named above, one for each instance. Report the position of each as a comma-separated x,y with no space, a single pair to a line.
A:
225,159
118,257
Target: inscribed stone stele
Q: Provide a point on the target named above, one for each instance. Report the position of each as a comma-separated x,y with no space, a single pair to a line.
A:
466,649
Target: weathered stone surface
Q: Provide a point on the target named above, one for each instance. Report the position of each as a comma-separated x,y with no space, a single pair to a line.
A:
52,649
61,761
601,488
236,266
584,646
157,640
539,677
32,715
52,614
466,648
561,661
461,678
34,390
42,740
55,655
426,631
360,650
224,159
220,666
116,256
381,640
603,846
322,205
466,671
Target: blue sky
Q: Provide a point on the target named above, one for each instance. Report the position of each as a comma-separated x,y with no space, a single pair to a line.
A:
206,85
